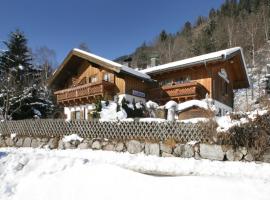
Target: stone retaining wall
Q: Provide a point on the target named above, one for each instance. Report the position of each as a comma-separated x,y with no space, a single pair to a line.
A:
163,149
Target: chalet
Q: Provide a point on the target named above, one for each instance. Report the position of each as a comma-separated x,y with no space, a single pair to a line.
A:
215,75
83,78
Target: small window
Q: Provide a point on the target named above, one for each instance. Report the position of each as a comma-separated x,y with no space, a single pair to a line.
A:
93,79
225,88
106,77
77,115
182,79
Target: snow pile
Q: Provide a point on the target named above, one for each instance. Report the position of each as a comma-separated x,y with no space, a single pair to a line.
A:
253,115
151,105
130,105
171,105
139,105
121,114
31,174
73,137
13,135
109,113
225,122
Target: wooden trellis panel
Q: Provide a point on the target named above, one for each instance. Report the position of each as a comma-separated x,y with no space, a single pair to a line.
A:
116,130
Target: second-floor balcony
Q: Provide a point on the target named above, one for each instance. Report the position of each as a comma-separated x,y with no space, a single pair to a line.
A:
86,91
178,92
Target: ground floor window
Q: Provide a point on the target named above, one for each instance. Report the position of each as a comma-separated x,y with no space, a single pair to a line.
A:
77,115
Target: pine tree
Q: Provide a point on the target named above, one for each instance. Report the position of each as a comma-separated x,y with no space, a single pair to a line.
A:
22,96
16,61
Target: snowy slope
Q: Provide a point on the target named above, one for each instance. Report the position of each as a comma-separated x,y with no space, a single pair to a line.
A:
38,174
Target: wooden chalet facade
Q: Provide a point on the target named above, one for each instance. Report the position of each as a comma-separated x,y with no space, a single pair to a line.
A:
83,78
215,74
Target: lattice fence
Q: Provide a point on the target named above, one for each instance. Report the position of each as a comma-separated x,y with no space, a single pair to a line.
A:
121,130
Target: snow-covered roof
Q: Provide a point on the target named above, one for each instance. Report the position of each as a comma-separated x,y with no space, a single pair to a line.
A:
117,67
223,54
191,103
114,64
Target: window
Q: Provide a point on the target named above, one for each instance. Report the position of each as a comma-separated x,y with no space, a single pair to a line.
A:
106,77
93,79
225,88
182,79
166,82
77,115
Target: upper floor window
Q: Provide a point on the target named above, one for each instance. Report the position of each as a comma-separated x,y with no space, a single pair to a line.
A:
106,77
166,82
184,79
178,80
93,79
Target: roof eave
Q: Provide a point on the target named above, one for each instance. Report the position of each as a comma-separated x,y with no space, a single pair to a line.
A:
186,65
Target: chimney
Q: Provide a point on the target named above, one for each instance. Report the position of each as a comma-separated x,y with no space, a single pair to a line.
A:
153,62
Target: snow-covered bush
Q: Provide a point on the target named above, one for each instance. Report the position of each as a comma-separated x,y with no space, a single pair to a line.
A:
151,108
134,110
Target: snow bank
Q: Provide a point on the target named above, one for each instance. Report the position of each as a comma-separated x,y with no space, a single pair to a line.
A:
31,174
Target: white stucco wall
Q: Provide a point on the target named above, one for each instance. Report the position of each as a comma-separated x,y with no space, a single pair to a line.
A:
86,108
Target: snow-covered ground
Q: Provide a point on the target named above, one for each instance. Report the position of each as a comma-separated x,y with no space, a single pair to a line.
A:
39,174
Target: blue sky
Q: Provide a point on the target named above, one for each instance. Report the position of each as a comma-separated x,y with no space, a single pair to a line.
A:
111,28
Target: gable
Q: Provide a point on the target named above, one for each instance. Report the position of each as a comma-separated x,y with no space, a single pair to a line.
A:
76,57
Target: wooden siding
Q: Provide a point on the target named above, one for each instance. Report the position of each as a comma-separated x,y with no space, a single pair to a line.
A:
79,89
194,112
220,92
207,76
120,85
133,83
198,74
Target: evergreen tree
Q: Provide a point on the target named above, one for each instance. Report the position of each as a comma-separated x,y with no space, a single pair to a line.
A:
16,61
22,96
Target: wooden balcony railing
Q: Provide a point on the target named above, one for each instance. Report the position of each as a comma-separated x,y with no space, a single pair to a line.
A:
84,91
181,91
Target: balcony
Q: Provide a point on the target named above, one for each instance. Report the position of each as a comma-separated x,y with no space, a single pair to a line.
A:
84,93
178,92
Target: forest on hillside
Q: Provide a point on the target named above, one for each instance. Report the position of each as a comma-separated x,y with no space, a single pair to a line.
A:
242,23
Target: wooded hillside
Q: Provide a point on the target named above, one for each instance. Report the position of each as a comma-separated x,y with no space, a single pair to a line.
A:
242,23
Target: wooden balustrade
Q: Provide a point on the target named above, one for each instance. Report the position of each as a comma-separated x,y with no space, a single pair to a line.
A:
178,92
84,91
